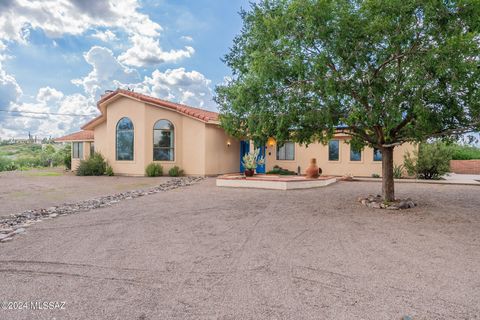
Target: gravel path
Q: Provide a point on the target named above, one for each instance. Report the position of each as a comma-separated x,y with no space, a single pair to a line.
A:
201,252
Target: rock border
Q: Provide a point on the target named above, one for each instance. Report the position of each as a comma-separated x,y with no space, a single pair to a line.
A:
16,223
376,202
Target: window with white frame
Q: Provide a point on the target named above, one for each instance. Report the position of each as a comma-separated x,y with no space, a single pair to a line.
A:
77,150
286,152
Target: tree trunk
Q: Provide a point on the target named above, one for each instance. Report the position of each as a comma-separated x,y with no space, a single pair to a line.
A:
388,189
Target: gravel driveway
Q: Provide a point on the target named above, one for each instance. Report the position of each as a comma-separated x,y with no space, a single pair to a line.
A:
202,252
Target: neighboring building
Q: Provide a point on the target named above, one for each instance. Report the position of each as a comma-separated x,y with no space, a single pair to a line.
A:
134,130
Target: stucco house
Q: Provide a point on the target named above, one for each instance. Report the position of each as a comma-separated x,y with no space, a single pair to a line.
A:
134,130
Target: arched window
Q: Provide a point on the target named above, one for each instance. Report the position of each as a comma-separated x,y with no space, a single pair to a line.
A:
125,136
163,141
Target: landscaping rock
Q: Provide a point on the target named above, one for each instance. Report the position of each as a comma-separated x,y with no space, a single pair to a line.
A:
19,230
376,202
16,223
3,236
392,207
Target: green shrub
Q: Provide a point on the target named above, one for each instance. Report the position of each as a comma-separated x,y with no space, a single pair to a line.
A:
175,172
431,161
154,170
398,171
7,165
375,175
280,171
109,171
465,152
95,166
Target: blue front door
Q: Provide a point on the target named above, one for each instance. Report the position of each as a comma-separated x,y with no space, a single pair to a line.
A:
244,149
261,168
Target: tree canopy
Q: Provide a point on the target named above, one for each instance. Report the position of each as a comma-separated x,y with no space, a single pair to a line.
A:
389,72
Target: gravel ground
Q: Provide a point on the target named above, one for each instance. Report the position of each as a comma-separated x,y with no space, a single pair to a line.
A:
43,188
202,252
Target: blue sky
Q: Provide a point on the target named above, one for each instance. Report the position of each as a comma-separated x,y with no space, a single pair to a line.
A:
58,57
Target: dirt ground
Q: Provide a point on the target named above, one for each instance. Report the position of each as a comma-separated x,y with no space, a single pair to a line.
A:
203,252
43,188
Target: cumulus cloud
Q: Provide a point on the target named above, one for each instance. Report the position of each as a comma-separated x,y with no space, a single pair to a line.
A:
10,91
105,36
178,85
146,51
107,72
48,94
48,100
57,18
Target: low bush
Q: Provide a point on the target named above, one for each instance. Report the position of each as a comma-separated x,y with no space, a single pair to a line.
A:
375,175
398,171
109,171
431,161
7,165
465,152
95,166
175,172
154,170
280,171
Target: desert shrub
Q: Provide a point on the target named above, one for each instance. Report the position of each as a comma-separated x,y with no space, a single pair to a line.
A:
430,161
280,171
154,170
465,152
175,172
7,165
95,166
375,175
109,171
398,171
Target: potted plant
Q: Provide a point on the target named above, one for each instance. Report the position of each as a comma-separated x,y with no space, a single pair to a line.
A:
250,162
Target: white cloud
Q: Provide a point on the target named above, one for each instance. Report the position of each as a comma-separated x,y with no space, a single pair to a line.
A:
49,100
107,71
105,36
146,51
10,91
187,38
48,94
186,87
57,18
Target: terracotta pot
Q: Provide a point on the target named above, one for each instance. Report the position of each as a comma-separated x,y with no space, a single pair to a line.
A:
249,172
312,170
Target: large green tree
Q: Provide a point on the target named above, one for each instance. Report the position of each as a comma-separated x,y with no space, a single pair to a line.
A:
388,72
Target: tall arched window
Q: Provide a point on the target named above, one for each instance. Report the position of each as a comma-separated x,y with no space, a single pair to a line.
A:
163,141
125,136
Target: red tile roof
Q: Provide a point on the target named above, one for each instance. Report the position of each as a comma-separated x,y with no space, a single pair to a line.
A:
84,135
200,114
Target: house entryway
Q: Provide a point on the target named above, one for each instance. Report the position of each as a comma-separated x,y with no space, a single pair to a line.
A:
245,149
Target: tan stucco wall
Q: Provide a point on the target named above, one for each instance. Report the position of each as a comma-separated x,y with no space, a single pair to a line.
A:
198,149
222,151
75,164
134,110
364,168
193,147
188,139
101,139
